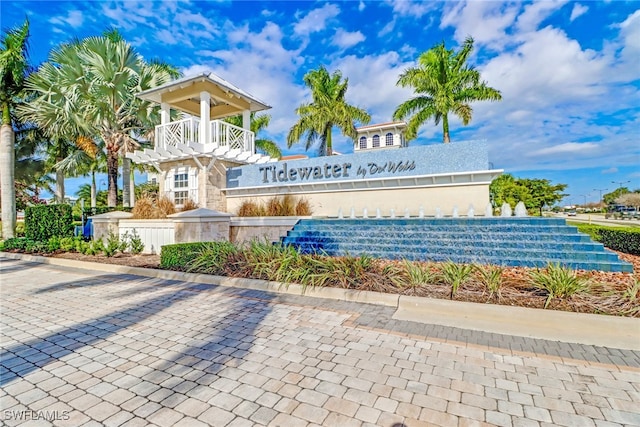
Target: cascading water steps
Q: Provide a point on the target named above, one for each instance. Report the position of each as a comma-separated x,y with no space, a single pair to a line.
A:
515,241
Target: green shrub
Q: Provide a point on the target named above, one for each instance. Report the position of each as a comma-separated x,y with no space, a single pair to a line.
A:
17,244
178,256
68,244
414,275
212,258
491,277
113,245
558,281
53,244
45,221
455,275
20,229
135,243
623,239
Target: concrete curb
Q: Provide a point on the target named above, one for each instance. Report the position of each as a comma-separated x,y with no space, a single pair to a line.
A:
552,325
579,328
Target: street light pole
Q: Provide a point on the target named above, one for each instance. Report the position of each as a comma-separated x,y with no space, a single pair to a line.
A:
620,183
600,190
585,199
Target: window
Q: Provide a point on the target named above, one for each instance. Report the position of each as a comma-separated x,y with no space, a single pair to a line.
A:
181,184
363,143
376,141
388,139
180,197
181,180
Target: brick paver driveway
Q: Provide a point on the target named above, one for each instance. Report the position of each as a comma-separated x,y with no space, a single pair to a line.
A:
80,348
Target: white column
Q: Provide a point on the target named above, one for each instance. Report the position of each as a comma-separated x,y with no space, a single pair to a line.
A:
165,113
205,117
246,119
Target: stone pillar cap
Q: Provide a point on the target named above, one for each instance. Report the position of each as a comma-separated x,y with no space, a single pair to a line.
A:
113,215
199,213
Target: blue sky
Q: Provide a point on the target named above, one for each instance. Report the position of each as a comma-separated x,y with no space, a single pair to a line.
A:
568,71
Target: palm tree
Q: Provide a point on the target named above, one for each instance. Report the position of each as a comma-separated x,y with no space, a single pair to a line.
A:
445,84
327,109
14,66
88,88
259,122
82,162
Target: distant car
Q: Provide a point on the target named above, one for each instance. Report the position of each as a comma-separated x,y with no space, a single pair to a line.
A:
572,213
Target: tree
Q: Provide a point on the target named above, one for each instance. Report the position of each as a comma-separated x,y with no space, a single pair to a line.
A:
259,122
610,198
14,66
534,193
85,161
629,199
444,84
327,109
507,189
542,193
88,88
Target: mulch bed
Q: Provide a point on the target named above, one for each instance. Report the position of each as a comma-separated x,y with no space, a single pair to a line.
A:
605,296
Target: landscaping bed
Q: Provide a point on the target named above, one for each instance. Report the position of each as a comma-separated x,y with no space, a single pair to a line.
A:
605,293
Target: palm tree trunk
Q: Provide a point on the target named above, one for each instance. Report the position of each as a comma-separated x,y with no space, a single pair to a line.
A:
126,181
445,129
7,185
59,194
112,178
132,185
94,193
329,144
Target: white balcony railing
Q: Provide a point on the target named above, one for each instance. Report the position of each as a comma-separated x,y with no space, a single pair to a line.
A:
179,132
222,135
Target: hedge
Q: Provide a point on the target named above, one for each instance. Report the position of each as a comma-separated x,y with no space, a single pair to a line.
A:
178,256
623,239
44,221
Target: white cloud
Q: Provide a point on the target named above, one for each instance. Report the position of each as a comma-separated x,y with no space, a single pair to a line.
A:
345,39
74,18
568,148
259,63
316,20
577,11
361,6
485,21
537,12
416,9
610,170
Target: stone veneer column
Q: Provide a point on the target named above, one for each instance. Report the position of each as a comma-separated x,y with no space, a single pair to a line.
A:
213,184
201,225
106,223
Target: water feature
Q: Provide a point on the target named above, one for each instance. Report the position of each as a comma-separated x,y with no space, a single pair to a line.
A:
488,210
521,210
471,212
505,210
340,216
365,213
421,212
352,214
454,213
392,213
378,213
438,213
526,242
407,214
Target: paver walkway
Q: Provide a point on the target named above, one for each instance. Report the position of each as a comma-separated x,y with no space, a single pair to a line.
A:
105,349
